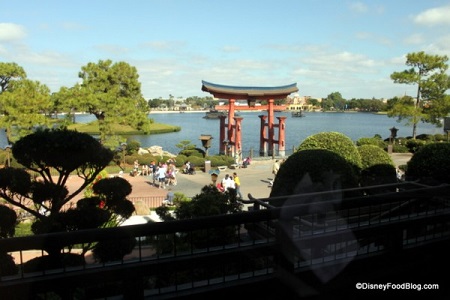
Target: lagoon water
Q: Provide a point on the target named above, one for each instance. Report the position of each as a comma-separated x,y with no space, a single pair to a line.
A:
354,125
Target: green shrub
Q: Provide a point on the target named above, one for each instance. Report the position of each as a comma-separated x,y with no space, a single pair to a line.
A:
129,159
7,265
372,155
371,141
425,137
12,160
399,148
377,166
146,159
48,262
379,175
198,162
430,164
220,160
180,160
438,137
192,152
319,164
414,145
133,147
335,142
113,250
23,229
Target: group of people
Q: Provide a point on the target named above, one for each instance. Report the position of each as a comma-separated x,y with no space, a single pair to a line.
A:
231,183
163,173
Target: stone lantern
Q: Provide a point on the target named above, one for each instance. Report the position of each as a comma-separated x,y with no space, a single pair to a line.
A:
206,142
392,139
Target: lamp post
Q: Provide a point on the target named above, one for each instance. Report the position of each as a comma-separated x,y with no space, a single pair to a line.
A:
392,139
393,134
124,148
214,174
225,144
206,142
8,155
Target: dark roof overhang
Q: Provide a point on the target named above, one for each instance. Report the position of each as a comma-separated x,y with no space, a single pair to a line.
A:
246,92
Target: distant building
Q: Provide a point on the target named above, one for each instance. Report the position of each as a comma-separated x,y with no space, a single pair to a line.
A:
299,103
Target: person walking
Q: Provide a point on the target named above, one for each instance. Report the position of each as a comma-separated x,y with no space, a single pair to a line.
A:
171,174
275,168
225,182
237,185
154,171
162,170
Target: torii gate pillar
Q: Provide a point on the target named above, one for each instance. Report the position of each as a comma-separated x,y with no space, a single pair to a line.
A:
267,139
230,133
281,136
262,136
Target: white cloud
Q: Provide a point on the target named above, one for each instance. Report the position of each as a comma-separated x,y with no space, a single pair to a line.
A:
358,7
72,26
434,16
11,32
164,46
231,49
414,39
112,49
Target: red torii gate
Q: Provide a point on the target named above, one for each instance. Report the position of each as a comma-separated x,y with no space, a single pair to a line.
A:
231,133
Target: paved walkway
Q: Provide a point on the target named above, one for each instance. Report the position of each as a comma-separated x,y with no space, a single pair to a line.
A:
254,180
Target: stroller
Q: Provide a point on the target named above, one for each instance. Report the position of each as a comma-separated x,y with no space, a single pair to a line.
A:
189,169
246,162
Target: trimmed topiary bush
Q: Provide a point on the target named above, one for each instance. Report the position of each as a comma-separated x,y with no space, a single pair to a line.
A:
425,137
398,149
377,167
216,161
430,164
113,250
133,147
221,160
327,171
376,141
438,137
193,152
197,162
180,160
335,142
372,155
415,145
7,264
47,262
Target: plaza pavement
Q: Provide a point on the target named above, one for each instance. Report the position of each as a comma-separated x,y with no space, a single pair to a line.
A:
254,180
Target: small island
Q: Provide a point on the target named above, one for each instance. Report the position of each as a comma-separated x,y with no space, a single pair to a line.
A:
119,129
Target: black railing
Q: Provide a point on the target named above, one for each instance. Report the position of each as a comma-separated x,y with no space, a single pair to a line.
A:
204,254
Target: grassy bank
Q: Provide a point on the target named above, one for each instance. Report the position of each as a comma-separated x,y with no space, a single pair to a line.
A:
92,128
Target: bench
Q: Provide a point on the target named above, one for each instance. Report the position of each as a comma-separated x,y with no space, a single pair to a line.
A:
222,168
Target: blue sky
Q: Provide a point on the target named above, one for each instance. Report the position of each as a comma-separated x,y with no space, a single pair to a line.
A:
324,46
